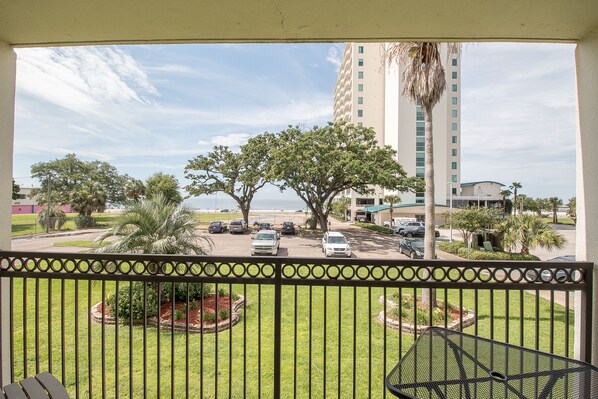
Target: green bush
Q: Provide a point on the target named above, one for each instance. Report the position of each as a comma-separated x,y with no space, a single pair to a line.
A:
210,317
373,227
223,314
178,315
474,254
180,291
84,221
451,247
124,310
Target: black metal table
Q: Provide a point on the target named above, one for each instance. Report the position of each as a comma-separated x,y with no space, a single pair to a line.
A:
450,364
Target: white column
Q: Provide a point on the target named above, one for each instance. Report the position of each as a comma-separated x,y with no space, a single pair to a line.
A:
8,64
586,59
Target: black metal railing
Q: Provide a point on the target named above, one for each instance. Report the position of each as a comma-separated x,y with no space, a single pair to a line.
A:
129,326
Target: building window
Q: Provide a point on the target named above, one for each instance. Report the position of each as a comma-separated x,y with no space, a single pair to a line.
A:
360,113
360,49
360,87
454,62
364,201
454,165
454,152
419,200
454,178
454,75
454,113
359,100
360,124
454,100
360,62
454,88
454,139
454,191
453,126
419,172
360,75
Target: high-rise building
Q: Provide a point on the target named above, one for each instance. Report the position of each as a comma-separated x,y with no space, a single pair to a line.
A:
369,93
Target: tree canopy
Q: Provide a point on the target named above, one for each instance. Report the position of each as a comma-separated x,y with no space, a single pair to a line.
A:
15,190
237,174
524,232
473,219
321,162
67,176
165,184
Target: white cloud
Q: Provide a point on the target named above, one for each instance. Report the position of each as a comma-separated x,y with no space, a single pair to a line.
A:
82,79
231,140
334,57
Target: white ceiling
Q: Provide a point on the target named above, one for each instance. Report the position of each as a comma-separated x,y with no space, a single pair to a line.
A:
66,22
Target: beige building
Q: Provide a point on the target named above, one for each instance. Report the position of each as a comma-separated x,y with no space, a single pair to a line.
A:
369,93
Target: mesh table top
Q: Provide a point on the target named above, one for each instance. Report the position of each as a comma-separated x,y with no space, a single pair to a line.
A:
449,364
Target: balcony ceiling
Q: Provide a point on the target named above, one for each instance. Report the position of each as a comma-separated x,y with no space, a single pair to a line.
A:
69,22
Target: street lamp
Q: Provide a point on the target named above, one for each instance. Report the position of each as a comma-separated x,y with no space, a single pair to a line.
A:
479,192
451,210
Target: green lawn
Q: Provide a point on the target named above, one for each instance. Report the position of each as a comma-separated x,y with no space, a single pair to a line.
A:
561,221
361,324
27,223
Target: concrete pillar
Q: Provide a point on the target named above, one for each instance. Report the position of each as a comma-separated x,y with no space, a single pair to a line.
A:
8,65
586,60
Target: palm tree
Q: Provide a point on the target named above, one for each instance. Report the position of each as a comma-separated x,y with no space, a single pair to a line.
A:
554,204
505,194
90,198
525,231
155,226
51,218
392,199
135,189
424,83
514,186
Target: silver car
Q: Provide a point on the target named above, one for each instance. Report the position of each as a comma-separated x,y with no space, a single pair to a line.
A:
265,242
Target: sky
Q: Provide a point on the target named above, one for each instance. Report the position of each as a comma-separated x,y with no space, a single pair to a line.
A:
150,108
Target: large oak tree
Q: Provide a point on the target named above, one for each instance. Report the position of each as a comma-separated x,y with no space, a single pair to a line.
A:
238,174
322,162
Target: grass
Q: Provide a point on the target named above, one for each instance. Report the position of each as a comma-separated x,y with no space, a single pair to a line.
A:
561,221
79,243
351,332
26,224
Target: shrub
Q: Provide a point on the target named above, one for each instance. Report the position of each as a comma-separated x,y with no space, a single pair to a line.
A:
193,305
373,227
52,219
221,292
124,310
235,297
451,247
210,317
180,291
474,254
83,221
178,315
223,313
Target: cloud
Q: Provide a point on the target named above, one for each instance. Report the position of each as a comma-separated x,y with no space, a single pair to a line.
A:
82,79
334,57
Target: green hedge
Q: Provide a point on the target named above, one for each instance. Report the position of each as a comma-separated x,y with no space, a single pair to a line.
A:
474,254
451,247
373,227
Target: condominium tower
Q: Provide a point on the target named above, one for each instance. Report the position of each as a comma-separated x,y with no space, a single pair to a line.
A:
369,93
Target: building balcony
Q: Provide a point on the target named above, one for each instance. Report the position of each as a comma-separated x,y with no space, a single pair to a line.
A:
271,326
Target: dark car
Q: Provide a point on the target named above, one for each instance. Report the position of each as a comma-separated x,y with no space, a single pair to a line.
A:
551,274
266,226
217,227
412,248
288,228
237,226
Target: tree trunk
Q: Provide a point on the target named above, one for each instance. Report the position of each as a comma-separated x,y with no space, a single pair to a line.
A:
429,295
391,221
245,213
323,219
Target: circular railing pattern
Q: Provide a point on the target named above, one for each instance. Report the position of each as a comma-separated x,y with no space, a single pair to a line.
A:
296,269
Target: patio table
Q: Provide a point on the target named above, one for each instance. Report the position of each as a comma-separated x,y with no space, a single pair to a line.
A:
449,364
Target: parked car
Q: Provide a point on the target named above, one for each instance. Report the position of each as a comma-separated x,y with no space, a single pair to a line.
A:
225,210
398,221
265,242
288,228
335,244
413,229
266,226
413,248
546,275
237,226
217,227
